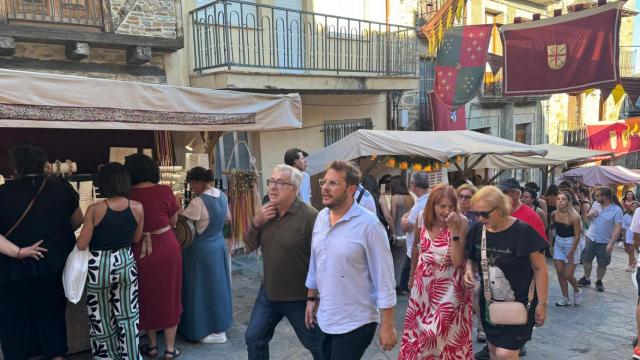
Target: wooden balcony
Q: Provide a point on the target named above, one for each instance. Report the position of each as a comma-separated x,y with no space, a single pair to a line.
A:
67,12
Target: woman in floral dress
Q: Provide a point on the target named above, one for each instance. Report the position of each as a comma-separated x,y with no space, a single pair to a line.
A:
438,322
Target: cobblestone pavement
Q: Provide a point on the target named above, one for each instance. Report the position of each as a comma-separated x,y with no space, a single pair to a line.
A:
600,329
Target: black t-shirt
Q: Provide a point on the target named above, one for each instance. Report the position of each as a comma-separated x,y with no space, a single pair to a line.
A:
48,220
508,255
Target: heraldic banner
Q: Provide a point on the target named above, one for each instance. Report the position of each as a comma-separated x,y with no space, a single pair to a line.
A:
444,119
620,137
561,54
460,64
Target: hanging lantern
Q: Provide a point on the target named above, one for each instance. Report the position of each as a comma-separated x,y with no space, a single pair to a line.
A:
391,162
415,167
404,165
427,168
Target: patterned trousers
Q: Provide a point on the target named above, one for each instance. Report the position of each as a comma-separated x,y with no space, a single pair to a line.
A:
112,303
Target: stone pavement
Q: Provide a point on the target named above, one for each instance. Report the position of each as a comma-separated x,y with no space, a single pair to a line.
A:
601,329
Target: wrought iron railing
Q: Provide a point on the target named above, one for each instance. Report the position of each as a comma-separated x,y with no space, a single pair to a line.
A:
336,130
81,12
233,33
577,137
629,61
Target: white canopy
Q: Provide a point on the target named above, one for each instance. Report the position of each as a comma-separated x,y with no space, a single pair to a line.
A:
558,155
440,145
41,100
602,175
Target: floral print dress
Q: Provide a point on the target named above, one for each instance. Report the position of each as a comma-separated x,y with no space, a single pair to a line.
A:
438,322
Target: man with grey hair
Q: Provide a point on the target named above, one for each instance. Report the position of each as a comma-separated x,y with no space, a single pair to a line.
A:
283,228
419,185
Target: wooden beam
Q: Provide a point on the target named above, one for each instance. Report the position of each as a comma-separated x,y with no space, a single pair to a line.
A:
76,50
138,55
47,35
29,64
7,45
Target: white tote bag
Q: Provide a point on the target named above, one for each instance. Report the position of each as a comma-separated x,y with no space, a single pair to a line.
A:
74,275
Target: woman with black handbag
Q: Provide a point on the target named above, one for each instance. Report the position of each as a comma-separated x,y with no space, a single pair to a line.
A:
509,254
35,208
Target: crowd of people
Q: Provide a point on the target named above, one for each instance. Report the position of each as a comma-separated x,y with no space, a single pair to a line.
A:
474,255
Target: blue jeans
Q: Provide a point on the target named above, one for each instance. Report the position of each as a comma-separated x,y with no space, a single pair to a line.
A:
266,315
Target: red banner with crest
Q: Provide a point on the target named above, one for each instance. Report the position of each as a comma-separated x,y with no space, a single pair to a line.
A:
620,137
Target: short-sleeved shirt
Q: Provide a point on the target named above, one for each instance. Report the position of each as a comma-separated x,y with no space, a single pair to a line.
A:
305,188
508,255
626,225
159,205
416,209
48,220
531,217
286,249
366,201
197,210
601,227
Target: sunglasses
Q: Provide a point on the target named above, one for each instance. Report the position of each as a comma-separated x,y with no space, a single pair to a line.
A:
484,214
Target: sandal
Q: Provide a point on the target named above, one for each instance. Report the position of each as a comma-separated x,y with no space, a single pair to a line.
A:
146,351
172,354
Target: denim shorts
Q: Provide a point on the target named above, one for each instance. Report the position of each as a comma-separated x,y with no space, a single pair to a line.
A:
561,248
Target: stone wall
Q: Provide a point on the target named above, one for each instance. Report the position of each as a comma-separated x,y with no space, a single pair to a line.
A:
410,102
156,18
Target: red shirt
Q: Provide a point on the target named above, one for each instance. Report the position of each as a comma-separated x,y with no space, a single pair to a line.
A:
529,216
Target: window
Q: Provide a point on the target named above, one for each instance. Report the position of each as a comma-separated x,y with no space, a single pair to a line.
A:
224,149
336,130
523,133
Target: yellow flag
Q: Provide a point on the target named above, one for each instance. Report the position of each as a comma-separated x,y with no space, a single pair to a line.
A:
618,93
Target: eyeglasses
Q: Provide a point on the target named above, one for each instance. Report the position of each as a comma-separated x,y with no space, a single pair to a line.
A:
484,214
465,197
279,184
329,183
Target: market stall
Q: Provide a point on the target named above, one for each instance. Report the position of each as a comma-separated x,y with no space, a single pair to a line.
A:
86,122
432,149
602,175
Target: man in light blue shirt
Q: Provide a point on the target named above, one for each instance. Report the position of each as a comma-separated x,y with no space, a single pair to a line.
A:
350,280
604,230
298,159
419,185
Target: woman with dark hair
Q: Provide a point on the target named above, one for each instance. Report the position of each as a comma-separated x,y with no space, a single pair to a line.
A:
550,196
401,202
207,279
530,198
34,210
534,186
438,322
628,199
158,256
110,228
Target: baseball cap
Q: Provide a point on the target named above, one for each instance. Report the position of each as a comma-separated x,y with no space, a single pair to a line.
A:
509,184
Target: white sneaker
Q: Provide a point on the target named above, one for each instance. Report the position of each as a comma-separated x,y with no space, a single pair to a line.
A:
577,298
219,338
565,301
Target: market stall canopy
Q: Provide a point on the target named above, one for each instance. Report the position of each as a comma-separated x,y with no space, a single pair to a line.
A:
439,145
558,155
602,175
29,99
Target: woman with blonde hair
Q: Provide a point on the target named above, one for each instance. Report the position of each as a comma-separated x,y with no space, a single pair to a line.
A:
566,223
438,322
514,252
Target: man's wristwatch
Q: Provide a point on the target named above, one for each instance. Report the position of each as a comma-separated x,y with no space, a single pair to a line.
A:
313,298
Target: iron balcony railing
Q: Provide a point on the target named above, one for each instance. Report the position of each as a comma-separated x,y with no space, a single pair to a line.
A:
336,130
577,137
80,12
629,61
233,33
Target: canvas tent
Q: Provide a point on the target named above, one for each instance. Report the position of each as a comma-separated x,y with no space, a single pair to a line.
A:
602,175
557,155
440,145
38,100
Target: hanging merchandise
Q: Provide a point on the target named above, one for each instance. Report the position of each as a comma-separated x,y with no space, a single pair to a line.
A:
164,147
244,200
391,162
461,64
566,53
